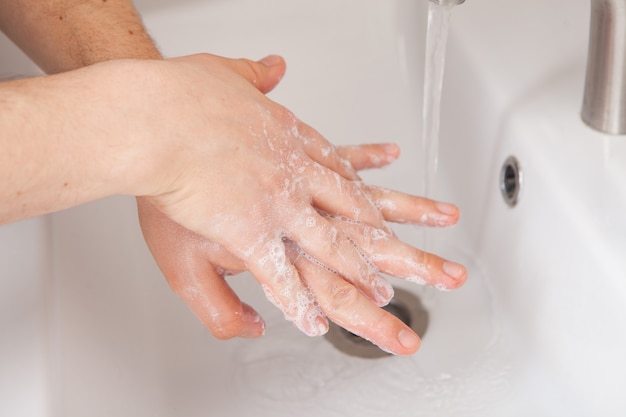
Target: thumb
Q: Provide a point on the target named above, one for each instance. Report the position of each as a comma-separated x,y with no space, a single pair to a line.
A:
264,74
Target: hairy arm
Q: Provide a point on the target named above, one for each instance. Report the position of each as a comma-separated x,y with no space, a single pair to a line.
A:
61,35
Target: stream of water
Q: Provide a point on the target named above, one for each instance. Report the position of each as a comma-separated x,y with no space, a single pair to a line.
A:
434,64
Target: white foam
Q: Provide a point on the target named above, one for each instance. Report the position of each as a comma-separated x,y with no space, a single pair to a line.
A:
378,234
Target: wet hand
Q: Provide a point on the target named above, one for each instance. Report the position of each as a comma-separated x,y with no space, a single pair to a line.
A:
195,267
262,184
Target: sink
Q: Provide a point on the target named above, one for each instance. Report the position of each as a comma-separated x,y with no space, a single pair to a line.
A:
90,327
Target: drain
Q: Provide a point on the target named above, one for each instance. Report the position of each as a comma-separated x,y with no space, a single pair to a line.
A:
511,181
405,305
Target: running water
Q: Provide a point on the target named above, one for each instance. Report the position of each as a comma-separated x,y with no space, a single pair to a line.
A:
434,64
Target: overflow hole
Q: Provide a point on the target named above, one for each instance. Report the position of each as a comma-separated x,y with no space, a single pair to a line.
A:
511,181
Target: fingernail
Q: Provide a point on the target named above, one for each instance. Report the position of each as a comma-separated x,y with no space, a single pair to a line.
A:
384,292
254,331
391,149
322,325
408,339
454,270
250,315
446,208
271,60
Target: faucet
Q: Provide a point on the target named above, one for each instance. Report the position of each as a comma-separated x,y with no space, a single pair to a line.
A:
448,2
604,102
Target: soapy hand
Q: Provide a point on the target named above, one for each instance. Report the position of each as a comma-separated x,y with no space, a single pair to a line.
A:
196,268
228,179
266,193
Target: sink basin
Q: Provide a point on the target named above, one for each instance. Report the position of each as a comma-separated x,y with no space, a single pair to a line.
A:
91,328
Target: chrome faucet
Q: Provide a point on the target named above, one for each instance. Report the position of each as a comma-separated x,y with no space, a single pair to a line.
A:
448,2
604,102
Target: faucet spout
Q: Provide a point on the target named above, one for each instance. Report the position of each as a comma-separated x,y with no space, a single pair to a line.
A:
448,2
604,102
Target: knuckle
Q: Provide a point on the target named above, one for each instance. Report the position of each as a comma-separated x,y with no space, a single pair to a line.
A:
420,257
284,116
425,262
202,58
343,297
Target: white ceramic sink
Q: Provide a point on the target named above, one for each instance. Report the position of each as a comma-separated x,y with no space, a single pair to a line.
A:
89,326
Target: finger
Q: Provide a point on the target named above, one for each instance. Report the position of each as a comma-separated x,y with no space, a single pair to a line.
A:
326,244
333,193
216,305
281,283
345,160
182,257
399,207
324,152
349,308
224,262
370,155
396,258
264,74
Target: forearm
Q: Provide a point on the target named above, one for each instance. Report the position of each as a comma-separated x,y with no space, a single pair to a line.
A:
61,35
61,145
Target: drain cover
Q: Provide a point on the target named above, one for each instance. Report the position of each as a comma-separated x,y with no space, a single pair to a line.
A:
405,305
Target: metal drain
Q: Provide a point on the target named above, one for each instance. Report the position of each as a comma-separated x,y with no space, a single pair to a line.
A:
511,181
405,305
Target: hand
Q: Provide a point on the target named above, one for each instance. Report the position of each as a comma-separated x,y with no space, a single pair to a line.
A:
195,266
195,269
